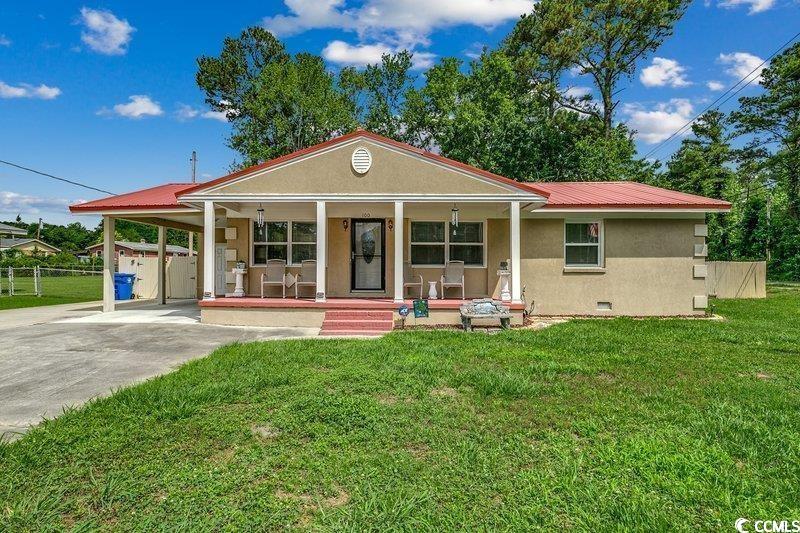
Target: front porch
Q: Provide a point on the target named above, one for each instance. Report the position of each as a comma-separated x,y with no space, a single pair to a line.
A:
358,255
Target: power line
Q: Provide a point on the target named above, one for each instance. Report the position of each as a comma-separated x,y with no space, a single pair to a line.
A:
71,182
714,103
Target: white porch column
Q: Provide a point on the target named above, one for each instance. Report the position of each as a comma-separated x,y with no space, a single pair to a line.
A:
208,250
516,278
161,288
108,264
399,226
322,250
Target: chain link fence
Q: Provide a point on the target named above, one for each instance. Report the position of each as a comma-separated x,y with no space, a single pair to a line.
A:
84,282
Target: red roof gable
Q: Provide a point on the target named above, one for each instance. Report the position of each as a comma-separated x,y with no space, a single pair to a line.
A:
375,137
158,197
622,195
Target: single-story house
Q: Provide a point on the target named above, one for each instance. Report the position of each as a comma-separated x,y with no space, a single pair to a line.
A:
13,231
28,246
137,249
377,215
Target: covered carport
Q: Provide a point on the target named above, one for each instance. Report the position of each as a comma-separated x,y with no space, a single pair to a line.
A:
157,206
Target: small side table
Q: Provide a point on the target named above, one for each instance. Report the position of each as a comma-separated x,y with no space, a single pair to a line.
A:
238,291
505,285
432,294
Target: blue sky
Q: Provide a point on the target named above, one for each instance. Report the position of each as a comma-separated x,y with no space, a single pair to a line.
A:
104,93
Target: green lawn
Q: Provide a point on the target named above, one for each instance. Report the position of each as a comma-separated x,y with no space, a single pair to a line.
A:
55,290
591,425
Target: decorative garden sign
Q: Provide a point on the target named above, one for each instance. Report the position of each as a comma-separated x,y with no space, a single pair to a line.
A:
420,308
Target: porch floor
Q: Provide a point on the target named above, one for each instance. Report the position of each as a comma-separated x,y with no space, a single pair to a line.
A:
334,303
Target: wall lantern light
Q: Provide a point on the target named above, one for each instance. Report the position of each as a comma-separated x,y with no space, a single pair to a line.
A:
390,223
345,224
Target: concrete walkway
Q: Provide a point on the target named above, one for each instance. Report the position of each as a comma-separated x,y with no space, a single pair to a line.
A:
57,356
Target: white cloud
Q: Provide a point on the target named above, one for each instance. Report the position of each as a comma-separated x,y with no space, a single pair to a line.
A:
578,92
741,64
390,25
408,20
656,124
24,90
714,85
4,41
221,116
13,203
756,6
663,72
105,33
187,112
474,50
345,54
139,106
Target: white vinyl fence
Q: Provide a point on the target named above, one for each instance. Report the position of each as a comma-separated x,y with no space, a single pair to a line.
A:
181,276
737,279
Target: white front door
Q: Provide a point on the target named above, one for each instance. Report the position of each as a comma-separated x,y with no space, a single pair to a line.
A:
219,269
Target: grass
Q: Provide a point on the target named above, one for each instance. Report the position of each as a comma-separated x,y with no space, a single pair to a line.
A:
55,290
589,425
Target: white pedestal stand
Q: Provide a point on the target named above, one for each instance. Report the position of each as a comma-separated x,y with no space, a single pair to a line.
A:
505,285
432,294
238,291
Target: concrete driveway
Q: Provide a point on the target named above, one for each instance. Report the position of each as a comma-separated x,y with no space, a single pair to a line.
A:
57,356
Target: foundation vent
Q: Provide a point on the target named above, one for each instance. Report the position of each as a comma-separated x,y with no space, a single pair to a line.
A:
361,160
604,306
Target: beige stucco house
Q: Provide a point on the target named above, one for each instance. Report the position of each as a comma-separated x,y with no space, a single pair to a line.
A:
28,246
362,205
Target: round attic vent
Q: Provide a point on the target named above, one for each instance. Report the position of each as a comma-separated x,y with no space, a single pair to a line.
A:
361,160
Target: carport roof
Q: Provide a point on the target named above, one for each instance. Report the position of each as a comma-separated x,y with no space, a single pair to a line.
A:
158,197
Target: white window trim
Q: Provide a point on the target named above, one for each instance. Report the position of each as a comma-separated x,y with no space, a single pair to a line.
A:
601,256
447,242
288,243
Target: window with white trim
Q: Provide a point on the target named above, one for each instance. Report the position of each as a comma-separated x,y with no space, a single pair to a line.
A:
466,243
292,241
582,244
434,243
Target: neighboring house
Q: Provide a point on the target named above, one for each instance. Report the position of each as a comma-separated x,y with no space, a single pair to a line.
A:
28,246
136,249
362,205
13,231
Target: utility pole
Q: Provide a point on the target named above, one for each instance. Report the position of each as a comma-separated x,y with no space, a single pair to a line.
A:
39,230
769,219
193,160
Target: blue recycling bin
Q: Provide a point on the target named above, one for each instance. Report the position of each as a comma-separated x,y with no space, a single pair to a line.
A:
123,286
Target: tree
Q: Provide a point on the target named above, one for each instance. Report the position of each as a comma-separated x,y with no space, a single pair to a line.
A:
773,117
488,117
602,38
377,93
276,103
703,166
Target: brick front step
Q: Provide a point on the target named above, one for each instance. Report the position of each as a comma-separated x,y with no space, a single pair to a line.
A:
356,322
382,325
354,314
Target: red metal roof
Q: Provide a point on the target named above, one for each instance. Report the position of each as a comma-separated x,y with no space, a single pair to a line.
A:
158,197
622,195
588,195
